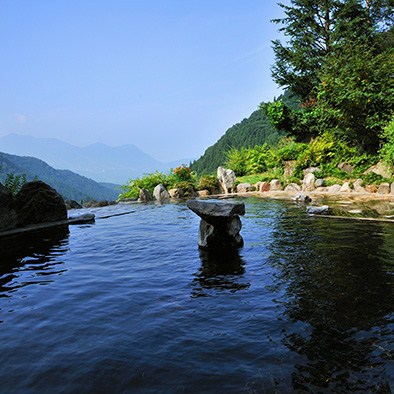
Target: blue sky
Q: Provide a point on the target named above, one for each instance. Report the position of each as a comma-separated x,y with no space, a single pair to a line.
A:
168,76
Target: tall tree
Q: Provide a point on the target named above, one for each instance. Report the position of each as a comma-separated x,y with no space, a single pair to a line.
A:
338,60
308,25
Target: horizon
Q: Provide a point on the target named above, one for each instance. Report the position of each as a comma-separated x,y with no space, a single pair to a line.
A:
168,78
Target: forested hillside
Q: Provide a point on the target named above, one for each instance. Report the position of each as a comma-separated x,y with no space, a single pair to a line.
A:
67,183
252,131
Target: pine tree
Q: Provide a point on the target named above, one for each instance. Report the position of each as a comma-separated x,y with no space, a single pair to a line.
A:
308,25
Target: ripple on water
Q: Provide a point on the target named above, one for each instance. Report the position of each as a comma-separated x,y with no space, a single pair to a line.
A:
130,304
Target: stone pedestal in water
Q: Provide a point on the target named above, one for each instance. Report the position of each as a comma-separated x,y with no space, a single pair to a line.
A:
220,224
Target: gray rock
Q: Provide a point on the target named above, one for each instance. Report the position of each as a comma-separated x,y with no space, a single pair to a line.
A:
302,198
334,189
292,187
175,193
160,193
323,210
145,196
220,224
310,170
384,188
345,188
243,187
346,167
358,186
308,183
226,179
37,202
381,169
275,185
320,182
8,216
72,204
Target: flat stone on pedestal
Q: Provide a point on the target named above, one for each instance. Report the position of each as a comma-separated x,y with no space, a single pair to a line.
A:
220,224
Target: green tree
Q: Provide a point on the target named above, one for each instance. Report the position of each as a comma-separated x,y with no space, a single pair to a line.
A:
338,61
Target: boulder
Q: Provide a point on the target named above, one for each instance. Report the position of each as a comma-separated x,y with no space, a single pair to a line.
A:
160,193
145,196
226,179
292,187
310,170
384,188
203,193
302,198
8,216
346,167
320,182
308,183
392,188
243,187
323,210
275,185
37,202
345,188
220,224
264,187
334,189
72,204
358,186
175,193
381,169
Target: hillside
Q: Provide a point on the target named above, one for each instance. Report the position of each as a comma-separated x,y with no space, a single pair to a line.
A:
255,130
68,184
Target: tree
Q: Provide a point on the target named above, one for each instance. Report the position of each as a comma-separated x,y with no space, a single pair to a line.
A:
308,24
338,60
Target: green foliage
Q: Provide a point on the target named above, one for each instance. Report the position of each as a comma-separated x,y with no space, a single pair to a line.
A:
372,179
187,187
387,151
148,182
255,130
208,182
14,182
339,61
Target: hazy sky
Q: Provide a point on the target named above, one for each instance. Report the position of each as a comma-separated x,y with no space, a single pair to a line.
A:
170,76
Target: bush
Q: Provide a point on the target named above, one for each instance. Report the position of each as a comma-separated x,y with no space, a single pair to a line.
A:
14,182
149,182
208,182
387,151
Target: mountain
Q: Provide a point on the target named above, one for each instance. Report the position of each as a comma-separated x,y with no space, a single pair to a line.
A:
97,161
255,130
70,185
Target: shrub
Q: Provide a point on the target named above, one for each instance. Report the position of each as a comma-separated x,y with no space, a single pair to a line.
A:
14,182
182,173
387,151
132,190
208,182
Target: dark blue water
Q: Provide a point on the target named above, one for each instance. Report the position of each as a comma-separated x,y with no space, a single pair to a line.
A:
130,305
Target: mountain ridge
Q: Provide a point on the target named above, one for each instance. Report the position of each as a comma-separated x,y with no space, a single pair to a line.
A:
96,161
70,185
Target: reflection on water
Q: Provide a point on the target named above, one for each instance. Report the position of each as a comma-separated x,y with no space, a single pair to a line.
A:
29,258
335,281
220,270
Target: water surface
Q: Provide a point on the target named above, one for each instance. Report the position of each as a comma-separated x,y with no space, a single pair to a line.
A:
129,304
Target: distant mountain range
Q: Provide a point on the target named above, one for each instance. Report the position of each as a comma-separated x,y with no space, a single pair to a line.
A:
70,185
98,161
